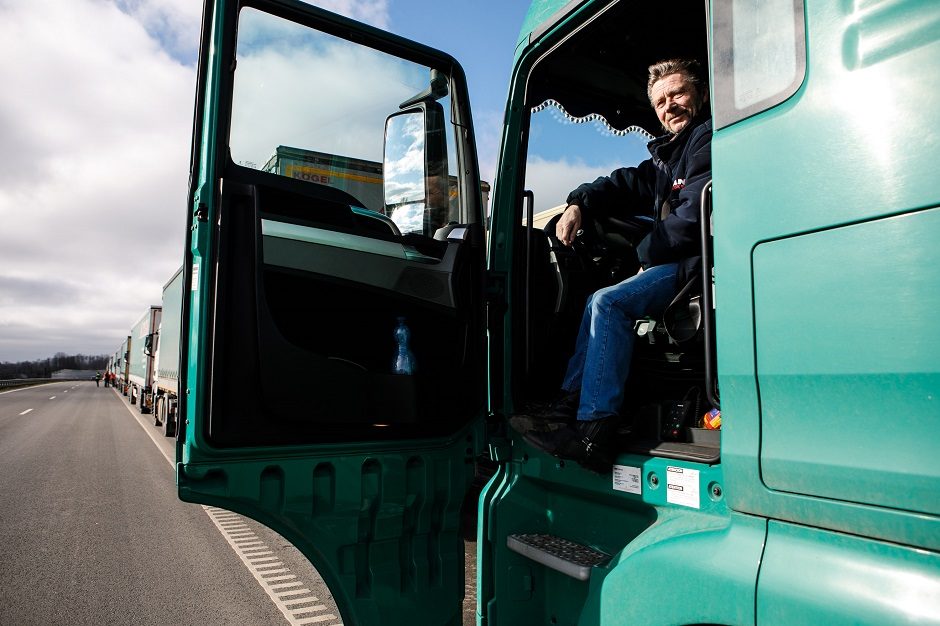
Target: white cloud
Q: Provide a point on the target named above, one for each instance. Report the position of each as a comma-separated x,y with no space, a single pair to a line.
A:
175,23
279,101
96,117
488,130
283,75
552,181
374,12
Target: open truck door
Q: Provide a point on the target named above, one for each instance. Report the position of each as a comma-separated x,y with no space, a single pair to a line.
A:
297,294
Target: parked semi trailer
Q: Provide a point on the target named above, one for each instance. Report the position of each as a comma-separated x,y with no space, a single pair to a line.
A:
140,360
166,356
816,502
118,365
361,179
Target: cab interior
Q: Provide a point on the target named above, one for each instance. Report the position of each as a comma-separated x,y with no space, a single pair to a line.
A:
600,69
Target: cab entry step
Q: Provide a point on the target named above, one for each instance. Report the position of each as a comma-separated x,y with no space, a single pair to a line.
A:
562,555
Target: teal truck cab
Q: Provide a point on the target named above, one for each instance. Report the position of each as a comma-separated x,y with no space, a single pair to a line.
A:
815,334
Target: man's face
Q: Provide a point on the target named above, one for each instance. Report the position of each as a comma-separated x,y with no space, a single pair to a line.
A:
676,102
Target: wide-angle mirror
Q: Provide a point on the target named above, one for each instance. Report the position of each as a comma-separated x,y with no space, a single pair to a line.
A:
416,186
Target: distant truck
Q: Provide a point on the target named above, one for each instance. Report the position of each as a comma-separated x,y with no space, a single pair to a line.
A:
118,365
166,348
140,359
360,178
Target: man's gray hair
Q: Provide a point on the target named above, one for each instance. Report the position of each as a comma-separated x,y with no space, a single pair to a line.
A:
689,68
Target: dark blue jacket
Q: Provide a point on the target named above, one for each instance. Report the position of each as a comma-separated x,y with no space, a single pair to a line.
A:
668,188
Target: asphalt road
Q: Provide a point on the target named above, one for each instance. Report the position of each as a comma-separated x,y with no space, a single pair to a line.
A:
92,532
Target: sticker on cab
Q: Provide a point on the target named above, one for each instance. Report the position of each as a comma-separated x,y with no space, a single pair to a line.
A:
627,479
682,486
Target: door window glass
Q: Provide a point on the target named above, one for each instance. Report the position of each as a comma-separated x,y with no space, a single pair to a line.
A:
760,56
299,111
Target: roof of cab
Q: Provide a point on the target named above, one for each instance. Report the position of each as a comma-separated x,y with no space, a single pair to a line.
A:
543,13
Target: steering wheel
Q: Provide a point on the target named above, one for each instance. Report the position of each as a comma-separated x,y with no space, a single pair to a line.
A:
606,246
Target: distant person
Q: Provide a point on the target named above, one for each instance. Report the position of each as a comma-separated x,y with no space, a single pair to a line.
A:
667,188
97,379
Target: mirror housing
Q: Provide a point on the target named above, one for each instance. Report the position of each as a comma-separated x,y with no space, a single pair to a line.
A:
148,344
414,167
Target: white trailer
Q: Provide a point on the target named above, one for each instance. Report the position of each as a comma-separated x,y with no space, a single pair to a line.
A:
166,357
140,360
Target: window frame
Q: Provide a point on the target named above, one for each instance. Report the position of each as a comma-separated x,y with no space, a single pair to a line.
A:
726,111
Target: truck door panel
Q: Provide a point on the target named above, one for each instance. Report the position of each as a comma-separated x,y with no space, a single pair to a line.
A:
306,349
299,275
814,576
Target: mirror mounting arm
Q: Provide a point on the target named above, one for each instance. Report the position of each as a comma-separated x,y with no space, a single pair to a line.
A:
436,91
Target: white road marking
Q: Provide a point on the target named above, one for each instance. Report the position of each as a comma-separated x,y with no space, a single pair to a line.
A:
26,411
296,583
293,592
274,587
52,398
314,620
313,608
272,581
24,388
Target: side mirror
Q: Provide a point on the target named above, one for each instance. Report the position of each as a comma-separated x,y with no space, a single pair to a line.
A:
414,169
148,344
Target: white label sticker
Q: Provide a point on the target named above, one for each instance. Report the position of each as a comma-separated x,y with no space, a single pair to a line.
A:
195,277
682,486
627,479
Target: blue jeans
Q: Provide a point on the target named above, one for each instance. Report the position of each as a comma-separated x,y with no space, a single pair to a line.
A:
604,348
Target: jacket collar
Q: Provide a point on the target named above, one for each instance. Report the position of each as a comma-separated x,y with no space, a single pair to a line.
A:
662,148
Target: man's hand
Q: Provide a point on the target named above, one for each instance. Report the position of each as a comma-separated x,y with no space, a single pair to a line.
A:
569,225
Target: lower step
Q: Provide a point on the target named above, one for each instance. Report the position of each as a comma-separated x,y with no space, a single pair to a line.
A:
562,555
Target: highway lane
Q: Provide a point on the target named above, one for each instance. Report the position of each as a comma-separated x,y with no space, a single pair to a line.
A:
92,531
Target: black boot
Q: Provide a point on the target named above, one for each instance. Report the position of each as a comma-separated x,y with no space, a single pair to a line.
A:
587,442
561,411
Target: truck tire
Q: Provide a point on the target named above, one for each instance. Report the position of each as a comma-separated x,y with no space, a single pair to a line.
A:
169,425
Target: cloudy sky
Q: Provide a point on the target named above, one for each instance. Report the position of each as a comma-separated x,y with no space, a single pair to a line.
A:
95,122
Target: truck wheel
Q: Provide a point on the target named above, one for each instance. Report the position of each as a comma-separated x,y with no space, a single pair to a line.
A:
169,426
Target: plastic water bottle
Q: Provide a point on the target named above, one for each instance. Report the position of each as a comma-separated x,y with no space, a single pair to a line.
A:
404,359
